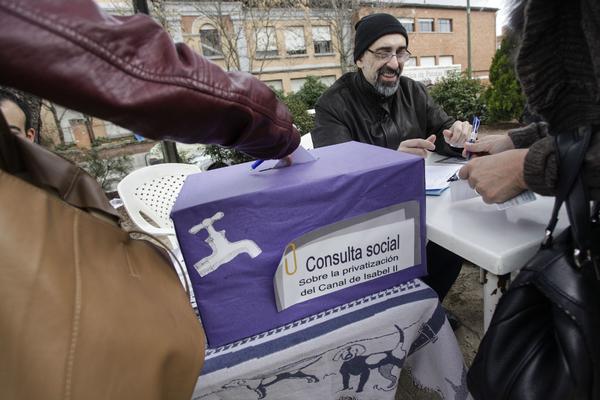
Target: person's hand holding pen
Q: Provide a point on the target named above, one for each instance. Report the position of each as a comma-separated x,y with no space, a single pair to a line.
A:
497,177
492,144
287,159
472,136
257,163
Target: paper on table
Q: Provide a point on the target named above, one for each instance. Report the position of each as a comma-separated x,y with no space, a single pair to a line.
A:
522,198
460,190
451,160
436,176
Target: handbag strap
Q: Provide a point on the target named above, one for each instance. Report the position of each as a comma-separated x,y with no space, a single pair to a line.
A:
571,148
570,151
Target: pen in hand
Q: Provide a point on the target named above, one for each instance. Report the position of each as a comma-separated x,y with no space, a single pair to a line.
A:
473,136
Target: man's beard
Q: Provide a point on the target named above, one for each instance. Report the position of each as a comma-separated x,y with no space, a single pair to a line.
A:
384,88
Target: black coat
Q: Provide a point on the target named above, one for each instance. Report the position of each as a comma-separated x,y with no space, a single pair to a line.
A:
351,109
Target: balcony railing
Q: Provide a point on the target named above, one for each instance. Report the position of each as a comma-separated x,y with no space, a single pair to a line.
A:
430,75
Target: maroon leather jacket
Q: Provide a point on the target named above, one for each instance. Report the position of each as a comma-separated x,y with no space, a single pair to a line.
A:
129,71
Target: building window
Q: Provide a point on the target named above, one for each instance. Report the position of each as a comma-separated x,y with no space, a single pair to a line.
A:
322,40
297,84
412,62
408,24
446,60
294,40
210,41
327,80
266,42
275,85
426,25
428,61
445,25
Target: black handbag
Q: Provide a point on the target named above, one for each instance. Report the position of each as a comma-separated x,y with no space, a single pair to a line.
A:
542,342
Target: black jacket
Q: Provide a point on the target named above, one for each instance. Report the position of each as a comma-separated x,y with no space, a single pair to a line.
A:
351,109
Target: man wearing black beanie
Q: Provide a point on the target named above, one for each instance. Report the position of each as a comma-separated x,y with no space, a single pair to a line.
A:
377,105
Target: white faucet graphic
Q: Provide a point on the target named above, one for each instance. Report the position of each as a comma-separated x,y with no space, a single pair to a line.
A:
223,250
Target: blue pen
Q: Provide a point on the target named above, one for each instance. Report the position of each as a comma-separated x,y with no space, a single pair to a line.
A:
473,137
256,163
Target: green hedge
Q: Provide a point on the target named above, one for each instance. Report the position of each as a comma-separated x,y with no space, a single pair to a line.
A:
460,97
504,97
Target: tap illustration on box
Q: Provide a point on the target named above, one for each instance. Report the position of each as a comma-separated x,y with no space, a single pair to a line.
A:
223,250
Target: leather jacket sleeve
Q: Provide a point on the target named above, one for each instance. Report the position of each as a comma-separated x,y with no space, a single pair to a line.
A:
127,70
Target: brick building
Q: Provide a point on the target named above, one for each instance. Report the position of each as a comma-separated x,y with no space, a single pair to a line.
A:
283,46
438,34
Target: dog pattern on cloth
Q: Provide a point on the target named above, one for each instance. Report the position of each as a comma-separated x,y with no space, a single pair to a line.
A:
366,367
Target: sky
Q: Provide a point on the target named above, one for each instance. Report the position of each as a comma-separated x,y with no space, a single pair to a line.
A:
501,15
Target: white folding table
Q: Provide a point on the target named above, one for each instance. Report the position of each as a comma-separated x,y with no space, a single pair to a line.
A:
499,242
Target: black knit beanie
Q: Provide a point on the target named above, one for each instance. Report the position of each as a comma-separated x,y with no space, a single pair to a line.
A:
372,27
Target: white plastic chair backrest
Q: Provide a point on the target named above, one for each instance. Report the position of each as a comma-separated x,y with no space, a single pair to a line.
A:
152,191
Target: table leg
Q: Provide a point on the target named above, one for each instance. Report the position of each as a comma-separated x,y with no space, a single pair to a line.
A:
494,287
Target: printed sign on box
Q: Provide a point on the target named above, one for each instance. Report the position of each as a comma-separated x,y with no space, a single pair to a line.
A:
347,253
235,228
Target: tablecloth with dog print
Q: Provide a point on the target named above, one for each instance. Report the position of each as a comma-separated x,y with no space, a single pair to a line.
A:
352,352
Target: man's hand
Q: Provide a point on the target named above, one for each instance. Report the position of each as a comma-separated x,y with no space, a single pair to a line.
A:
498,177
458,133
418,147
492,144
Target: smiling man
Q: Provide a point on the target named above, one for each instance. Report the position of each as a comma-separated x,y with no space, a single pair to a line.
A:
379,106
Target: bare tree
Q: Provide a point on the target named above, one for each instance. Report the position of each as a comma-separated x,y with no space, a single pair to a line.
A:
222,16
261,17
340,16
243,30
57,117
89,127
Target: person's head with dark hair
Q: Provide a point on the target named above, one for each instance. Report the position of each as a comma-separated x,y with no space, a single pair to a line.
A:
558,60
17,114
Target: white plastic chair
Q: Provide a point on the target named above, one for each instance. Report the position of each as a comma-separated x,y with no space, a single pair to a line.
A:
149,194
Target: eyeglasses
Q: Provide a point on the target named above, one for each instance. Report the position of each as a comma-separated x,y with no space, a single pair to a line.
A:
401,55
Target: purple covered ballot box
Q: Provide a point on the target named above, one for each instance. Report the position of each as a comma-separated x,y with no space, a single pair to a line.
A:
270,246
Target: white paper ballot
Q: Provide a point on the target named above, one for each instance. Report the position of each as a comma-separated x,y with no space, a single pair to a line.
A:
460,190
525,197
436,176
299,156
